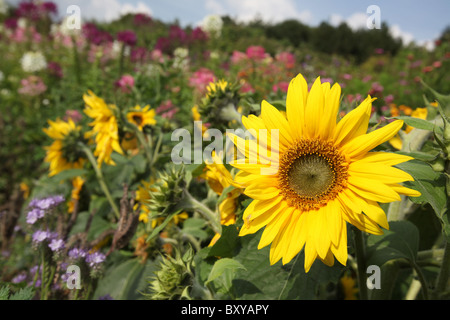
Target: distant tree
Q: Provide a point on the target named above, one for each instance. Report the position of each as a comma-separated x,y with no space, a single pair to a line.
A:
292,30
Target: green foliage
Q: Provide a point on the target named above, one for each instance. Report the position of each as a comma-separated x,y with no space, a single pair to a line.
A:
21,294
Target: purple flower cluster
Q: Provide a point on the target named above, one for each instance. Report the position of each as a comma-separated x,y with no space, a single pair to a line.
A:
95,35
178,37
77,253
127,37
38,207
40,236
142,19
92,259
95,259
36,10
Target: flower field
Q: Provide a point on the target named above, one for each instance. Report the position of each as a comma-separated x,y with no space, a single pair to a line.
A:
142,160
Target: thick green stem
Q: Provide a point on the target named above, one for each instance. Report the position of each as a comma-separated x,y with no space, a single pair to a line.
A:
361,262
209,215
442,280
76,59
100,179
422,280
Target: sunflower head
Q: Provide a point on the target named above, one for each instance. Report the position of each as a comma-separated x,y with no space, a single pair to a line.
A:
105,127
219,106
313,175
64,153
141,117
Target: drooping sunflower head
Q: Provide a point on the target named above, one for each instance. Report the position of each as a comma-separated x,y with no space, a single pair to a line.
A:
105,127
220,104
77,184
64,153
141,117
309,175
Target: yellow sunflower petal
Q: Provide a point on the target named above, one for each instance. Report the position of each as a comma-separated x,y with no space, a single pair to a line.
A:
295,102
366,142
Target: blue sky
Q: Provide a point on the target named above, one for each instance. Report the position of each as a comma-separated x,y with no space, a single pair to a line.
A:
412,20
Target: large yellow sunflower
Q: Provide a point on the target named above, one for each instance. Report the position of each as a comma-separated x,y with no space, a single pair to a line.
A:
105,127
318,175
63,153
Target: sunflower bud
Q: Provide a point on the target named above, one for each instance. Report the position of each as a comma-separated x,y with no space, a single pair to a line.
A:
219,106
174,278
168,193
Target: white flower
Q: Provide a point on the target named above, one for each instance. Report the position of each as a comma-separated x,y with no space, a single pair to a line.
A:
181,58
117,49
212,25
3,7
22,23
33,61
70,27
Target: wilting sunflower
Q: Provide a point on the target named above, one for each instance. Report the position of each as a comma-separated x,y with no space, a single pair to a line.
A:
318,175
63,153
141,117
105,127
77,184
219,178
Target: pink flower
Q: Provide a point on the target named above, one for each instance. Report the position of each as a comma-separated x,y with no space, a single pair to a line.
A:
347,76
389,99
201,78
437,64
282,86
256,53
247,87
367,78
125,83
167,109
237,57
32,86
75,115
287,58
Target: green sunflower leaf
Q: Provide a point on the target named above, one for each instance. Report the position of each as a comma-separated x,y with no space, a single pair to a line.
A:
432,186
400,241
419,123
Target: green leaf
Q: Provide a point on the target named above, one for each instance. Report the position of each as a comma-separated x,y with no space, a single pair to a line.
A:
4,293
401,241
123,281
226,244
222,266
263,281
419,123
419,155
195,227
23,294
68,174
159,228
429,183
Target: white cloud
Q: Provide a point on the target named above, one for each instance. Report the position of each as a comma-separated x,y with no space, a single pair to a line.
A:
103,10
140,8
214,7
356,21
267,10
398,33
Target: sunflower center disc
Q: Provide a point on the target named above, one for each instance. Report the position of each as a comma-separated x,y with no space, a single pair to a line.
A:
310,176
312,172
